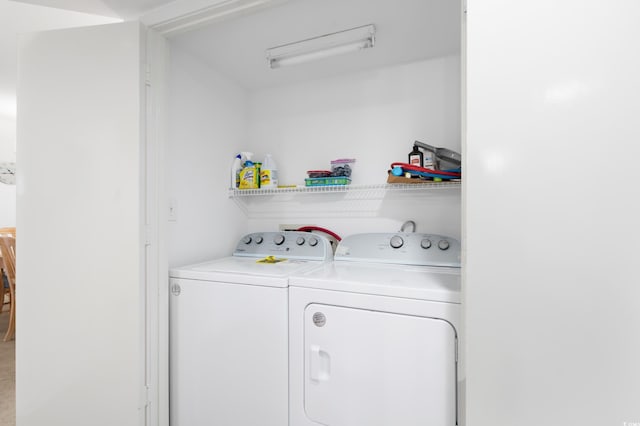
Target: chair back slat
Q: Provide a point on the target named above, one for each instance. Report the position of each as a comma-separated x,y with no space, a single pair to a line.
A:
8,250
8,253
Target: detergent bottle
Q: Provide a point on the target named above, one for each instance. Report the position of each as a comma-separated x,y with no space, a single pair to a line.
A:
249,175
416,157
269,173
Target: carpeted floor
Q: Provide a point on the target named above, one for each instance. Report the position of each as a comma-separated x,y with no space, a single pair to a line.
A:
7,375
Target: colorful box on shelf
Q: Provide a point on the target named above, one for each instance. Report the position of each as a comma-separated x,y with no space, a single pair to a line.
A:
318,173
327,181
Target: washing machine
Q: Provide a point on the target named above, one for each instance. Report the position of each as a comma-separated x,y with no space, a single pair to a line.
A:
229,331
374,335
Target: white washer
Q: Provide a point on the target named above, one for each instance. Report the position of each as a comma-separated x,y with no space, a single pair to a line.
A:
228,331
374,334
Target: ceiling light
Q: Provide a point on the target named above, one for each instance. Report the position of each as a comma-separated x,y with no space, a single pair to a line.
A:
322,47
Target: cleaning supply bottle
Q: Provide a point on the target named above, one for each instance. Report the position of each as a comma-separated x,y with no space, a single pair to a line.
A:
245,156
416,157
258,167
429,161
236,166
249,175
269,173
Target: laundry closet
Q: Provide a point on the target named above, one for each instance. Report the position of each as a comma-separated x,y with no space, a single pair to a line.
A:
223,98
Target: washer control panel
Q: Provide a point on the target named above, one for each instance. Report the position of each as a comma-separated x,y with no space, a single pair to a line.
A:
285,244
401,248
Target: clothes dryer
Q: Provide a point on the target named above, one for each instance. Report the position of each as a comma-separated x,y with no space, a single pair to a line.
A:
374,335
228,331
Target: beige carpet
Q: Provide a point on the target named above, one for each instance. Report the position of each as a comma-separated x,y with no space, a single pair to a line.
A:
7,375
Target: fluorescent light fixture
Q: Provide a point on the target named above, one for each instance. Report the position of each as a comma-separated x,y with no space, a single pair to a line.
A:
323,46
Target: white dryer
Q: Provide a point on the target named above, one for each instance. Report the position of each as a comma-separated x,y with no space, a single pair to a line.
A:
228,331
374,334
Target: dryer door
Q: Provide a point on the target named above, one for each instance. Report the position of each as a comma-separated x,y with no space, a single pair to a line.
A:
373,368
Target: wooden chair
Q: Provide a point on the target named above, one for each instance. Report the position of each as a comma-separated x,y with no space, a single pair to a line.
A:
8,250
4,287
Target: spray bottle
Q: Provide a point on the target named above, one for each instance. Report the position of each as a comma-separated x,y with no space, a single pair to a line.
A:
236,166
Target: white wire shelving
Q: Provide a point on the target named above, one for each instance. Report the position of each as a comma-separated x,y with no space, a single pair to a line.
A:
335,201
364,190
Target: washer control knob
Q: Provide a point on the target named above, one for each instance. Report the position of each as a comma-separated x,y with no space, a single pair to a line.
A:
426,243
278,239
247,240
300,241
313,241
396,241
259,240
443,244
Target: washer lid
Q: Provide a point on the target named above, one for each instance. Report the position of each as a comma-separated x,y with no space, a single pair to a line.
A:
408,281
244,270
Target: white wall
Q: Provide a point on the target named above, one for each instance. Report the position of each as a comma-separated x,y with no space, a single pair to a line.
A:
207,121
7,132
552,296
7,154
17,18
374,117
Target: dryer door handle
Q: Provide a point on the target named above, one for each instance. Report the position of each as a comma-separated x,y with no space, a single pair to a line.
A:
319,364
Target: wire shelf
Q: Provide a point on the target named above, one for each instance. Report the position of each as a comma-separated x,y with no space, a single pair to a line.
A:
335,201
363,190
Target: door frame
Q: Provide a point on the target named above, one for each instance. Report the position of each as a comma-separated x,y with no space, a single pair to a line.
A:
162,23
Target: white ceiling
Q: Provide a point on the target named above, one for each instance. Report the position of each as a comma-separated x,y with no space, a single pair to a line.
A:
407,31
17,18
124,9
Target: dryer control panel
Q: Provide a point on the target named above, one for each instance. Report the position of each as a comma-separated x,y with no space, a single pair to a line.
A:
285,244
400,248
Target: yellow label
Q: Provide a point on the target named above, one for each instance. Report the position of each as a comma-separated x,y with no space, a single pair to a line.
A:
265,177
248,178
270,259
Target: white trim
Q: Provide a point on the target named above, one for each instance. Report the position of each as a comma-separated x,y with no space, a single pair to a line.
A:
181,15
157,336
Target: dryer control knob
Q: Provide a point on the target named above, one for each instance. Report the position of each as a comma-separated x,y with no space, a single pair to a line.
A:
426,243
300,241
443,244
396,242
313,241
259,240
247,240
278,239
